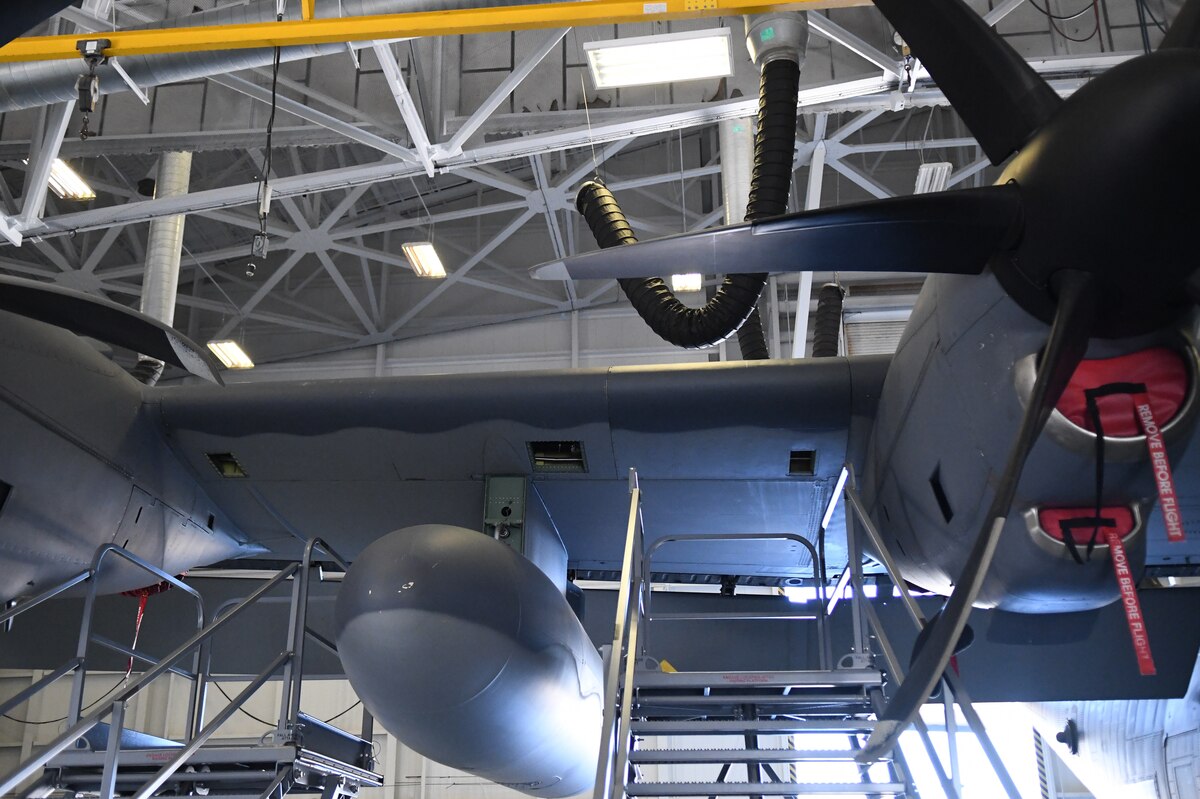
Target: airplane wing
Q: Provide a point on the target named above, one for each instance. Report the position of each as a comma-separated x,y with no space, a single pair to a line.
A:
719,448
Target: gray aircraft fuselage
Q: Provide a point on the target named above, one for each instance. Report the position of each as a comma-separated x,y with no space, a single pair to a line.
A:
84,463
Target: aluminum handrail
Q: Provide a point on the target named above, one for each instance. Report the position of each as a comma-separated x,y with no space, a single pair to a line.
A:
76,730
199,740
814,558
75,709
30,604
624,631
289,713
955,686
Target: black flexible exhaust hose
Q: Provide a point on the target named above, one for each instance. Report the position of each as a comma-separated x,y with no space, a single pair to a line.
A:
828,321
737,296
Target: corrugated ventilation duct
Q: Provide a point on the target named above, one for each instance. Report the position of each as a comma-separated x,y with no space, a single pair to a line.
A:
828,324
163,247
777,43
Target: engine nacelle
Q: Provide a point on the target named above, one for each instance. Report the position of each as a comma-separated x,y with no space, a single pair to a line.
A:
470,655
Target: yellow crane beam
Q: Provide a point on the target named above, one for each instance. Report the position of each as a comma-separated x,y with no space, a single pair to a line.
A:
394,26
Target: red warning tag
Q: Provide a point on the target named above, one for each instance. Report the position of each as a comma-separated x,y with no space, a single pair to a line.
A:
1129,601
1168,500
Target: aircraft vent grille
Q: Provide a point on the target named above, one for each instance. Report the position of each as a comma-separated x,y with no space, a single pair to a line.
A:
226,465
873,338
557,456
5,489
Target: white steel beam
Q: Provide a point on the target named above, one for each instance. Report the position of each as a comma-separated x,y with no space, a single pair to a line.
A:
488,175
827,29
1001,11
433,219
260,295
855,125
968,171
310,114
37,177
458,274
344,287
865,182
404,101
514,78
547,207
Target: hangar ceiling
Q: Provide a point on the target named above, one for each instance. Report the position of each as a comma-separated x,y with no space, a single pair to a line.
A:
509,124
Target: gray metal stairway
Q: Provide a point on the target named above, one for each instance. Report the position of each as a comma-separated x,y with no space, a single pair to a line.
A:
731,713
319,759
695,734
98,756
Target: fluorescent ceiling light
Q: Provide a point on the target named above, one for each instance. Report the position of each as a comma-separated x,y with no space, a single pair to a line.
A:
932,177
231,354
423,259
688,282
66,182
665,58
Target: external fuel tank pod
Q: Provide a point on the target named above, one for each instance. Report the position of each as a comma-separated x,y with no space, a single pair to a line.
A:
468,654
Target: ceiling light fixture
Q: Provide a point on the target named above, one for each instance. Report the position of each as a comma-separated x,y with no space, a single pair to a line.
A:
66,182
231,354
932,177
688,282
663,58
423,259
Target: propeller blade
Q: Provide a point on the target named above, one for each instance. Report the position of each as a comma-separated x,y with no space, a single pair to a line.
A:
953,232
1067,345
98,318
1000,97
20,17
1185,29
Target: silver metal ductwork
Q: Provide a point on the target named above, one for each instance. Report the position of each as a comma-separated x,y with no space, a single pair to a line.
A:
164,246
37,83
736,137
779,34
165,241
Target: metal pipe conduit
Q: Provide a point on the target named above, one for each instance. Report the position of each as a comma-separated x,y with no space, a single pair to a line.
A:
38,83
164,246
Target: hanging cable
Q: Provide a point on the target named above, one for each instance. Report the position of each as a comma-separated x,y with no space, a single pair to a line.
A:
258,245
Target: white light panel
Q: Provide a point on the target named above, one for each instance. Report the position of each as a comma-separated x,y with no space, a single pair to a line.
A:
231,354
423,259
664,58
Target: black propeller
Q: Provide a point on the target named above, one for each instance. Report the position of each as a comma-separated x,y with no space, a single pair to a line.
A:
951,232
106,321
19,17
1082,236
1111,285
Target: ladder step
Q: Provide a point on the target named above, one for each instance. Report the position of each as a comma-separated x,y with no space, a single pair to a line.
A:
824,700
764,788
685,756
837,678
759,727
